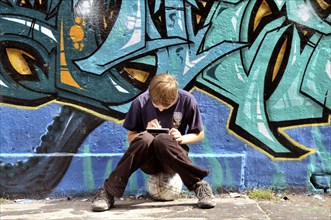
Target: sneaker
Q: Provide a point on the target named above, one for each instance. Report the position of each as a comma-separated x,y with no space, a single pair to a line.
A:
102,201
205,195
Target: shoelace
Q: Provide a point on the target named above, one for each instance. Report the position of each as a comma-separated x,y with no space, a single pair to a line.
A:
203,192
101,193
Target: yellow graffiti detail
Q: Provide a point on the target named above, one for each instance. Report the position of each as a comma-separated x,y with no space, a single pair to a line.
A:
66,78
104,22
18,61
203,3
63,61
77,34
263,11
323,4
29,108
139,75
65,75
279,60
198,18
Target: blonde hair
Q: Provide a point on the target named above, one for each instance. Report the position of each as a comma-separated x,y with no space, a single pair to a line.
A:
163,89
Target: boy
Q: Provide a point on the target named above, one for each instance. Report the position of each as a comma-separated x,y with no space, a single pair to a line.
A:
166,106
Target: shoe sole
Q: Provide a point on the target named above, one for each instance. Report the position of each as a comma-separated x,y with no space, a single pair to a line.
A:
98,209
206,206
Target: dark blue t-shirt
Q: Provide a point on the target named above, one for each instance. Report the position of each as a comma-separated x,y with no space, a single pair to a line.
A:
184,115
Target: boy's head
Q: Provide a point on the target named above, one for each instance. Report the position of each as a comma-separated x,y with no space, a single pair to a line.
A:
163,90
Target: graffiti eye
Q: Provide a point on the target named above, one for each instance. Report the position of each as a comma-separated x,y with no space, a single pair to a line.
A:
22,62
137,74
19,63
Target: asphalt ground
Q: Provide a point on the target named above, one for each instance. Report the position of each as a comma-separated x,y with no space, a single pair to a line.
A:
229,206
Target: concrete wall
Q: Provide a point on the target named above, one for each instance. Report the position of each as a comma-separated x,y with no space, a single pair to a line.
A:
260,70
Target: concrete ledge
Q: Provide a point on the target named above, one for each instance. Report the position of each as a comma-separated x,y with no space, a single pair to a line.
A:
87,171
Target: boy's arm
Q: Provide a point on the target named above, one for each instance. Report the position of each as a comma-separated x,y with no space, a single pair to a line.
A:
190,138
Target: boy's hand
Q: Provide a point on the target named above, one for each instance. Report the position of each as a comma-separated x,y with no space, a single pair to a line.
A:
154,124
176,134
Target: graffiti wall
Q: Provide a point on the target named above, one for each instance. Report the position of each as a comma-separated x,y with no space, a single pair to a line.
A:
260,70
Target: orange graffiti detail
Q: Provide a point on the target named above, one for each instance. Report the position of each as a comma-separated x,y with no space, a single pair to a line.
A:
65,75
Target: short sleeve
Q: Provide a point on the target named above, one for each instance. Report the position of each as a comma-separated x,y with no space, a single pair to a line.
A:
195,124
133,119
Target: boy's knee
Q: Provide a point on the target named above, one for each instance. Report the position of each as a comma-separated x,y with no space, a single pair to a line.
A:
162,139
144,137
165,144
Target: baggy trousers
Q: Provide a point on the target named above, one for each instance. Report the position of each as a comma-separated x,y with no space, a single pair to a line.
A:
153,155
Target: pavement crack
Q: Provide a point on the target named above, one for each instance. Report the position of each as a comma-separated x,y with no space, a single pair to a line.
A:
260,208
